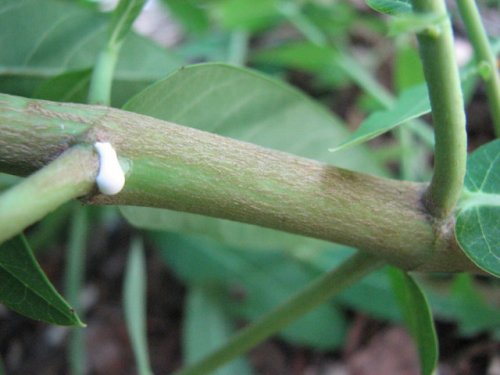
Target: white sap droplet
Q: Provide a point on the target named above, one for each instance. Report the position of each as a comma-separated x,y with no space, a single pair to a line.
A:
110,179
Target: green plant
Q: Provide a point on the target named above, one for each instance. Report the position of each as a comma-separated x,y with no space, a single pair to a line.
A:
247,172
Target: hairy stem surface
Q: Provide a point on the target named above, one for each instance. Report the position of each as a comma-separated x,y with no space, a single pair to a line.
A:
180,168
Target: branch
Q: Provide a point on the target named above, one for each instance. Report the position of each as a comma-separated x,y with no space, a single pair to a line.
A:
180,168
485,57
70,176
443,82
311,296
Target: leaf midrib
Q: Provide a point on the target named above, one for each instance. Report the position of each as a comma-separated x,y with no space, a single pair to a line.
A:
479,199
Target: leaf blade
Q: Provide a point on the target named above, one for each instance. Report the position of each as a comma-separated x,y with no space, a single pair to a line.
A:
134,301
207,327
35,59
392,7
412,103
67,87
193,16
476,227
418,318
25,288
263,279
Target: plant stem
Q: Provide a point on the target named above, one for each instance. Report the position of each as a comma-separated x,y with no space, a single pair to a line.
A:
70,176
184,169
75,265
485,57
305,300
238,47
443,82
102,76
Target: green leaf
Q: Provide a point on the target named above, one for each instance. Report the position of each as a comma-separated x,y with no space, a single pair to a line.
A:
25,289
190,13
247,106
476,228
254,283
418,318
207,326
67,87
408,70
249,15
207,47
43,39
371,295
460,301
134,301
416,23
122,19
305,56
412,103
299,55
392,7
336,19
474,315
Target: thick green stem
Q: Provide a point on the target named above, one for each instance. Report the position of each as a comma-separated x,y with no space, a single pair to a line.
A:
70,176
305,300
443,81
485,57
176,167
